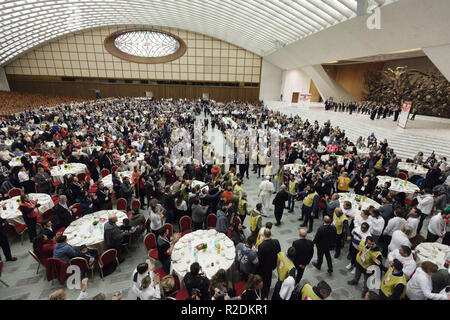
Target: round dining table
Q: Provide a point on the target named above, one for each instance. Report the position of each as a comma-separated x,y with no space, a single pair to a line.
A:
432,251
58,172
412,169
357,201
9,209
107,180
89,229
185,253
399,185
16,162
340,159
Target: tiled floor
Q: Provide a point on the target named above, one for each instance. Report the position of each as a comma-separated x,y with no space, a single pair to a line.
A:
26,284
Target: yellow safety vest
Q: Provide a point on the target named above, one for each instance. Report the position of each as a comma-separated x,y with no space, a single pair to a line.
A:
308,201
253,222
262,159
260,238
292,185
284,265
390,282
379,164
338,222
365,256
242,203
309,294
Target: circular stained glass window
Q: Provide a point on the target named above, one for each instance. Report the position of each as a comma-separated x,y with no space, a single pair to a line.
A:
145,46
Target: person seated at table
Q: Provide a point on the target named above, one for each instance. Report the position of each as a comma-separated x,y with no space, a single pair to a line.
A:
114,236
75,189
24,179
47,229
195,279
17,152
63,250
44,181
390,167
62,213
43,248
364,187
87,203
122,167
237,235
91,255
5,187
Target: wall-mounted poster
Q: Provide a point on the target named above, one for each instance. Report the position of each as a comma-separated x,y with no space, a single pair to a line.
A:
403,118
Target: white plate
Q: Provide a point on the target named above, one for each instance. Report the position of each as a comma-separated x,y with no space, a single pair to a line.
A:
230,255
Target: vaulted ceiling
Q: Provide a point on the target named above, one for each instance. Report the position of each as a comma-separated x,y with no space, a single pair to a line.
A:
260,26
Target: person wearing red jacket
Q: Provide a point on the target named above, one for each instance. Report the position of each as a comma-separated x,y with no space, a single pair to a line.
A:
43,248
30,212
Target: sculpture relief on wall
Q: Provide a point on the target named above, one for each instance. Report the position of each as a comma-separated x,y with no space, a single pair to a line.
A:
429,92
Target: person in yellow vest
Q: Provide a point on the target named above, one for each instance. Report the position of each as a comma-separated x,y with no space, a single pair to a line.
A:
310,206
308,292
343,182
393,285
237,190
369,254
292,186
255,220
340,221
243,209
260,237
285,263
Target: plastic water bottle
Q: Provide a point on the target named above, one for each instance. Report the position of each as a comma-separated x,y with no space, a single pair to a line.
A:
195,255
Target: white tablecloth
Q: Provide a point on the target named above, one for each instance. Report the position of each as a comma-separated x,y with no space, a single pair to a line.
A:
107,181
432,251
292,168
58,172
50,144
362,151
412,169
15,162
82,231
355,204
182,257
398,185
12,213
340,159
139,156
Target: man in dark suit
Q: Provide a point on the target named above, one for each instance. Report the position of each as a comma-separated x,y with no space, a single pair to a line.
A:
267,257
62,214
325,241
304,250
279,202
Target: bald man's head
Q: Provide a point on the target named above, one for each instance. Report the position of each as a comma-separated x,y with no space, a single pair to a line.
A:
302,233
327,220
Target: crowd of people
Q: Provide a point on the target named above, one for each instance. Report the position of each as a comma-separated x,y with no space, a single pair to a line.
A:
372,109
99,133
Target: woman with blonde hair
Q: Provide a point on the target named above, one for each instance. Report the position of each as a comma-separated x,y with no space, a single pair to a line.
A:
149,290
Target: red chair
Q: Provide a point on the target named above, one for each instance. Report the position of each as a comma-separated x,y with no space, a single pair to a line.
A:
56,269
14,192
83,264
61,162
135,204
122,204
114,168
147,224
81,176
182,294
106,258
104,172
61,230
1,268
160,272
17,230
129,214
185,225
150,245
35,257
46,215
55,184
39,151
79,210
96,163
33,153
169,228
402,175
230,230
236,220
211,221
239,287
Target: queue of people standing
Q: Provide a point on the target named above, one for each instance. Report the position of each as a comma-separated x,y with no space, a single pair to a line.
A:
165,188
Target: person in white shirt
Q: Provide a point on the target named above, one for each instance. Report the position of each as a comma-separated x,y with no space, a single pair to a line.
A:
376,224
436,226
420,286
405,256
400,238
350,212
23,175
156,216
142,270
266,188
394,224
361,217
149,289
288,285
412,221
358,233
425,205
